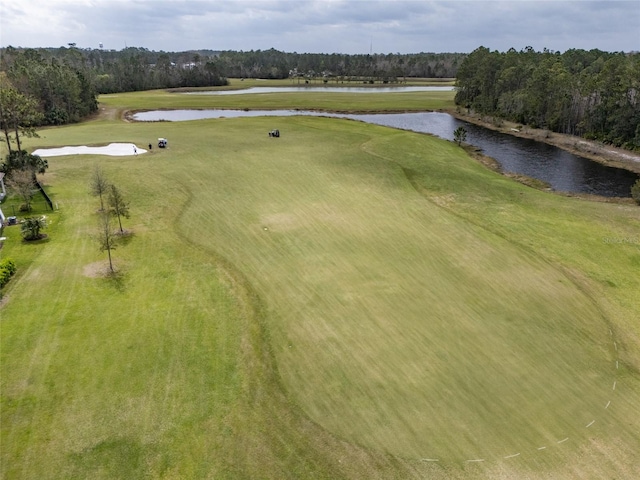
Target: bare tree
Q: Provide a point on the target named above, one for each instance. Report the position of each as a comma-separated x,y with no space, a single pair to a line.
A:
117,205
22,183
99,185
106,237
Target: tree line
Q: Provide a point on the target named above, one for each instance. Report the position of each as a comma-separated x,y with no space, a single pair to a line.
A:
133,69
54,86
274,64
56,91
587,93
593,94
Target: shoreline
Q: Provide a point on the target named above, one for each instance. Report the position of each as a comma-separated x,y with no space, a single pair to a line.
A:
492,164
593,150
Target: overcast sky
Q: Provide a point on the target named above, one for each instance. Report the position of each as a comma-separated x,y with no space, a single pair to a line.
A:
323,26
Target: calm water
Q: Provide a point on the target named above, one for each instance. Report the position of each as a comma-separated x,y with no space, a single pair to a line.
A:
560,169
324,89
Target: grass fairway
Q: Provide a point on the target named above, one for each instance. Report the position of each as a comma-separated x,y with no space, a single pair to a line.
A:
308,100
345,301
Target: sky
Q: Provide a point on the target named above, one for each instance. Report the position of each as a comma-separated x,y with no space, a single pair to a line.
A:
323,26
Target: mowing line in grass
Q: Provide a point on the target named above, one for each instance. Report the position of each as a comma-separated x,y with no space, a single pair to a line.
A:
407,339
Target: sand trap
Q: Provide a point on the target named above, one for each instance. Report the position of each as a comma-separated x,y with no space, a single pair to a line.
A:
113,149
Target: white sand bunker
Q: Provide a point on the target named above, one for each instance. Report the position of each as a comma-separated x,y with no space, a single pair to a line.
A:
113,149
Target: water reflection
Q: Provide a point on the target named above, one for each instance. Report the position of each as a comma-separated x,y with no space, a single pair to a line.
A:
560,169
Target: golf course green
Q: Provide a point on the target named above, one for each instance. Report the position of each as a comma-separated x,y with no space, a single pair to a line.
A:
344,301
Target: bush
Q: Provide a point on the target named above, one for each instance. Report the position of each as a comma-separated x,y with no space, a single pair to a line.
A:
7,269
4,277
460,135
9,265
635,191
31,227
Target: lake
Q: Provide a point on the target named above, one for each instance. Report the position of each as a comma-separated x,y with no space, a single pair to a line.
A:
562,170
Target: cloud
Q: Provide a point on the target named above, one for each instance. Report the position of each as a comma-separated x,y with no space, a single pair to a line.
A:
344,26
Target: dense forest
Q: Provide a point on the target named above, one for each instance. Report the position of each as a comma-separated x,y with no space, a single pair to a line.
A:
378,67
132,69
65,82
592,93
51,91
135,69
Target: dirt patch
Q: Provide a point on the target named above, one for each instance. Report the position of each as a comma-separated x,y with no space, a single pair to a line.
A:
125,234
97,270
596,151
106,113
445,200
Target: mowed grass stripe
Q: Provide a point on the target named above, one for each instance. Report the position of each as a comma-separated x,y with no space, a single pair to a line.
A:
220,183
114,366
394,319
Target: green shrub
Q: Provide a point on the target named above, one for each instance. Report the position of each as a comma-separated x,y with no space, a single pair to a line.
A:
460,135
31,227
9,265
4,277
7,269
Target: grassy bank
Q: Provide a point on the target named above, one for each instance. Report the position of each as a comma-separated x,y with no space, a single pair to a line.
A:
594,150
345,301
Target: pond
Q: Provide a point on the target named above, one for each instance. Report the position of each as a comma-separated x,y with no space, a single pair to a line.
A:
562,170
324,89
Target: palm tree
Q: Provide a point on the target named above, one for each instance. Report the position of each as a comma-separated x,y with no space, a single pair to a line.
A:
31,227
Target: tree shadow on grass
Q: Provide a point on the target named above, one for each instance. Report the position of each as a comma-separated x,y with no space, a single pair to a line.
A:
42,238
124,237
117,279
113,458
